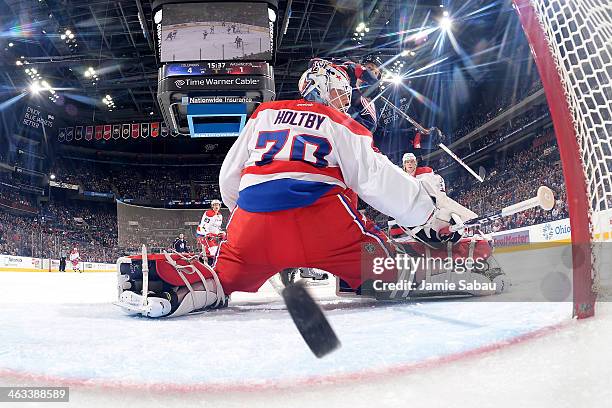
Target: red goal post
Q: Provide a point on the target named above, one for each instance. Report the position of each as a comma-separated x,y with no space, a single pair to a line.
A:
570,41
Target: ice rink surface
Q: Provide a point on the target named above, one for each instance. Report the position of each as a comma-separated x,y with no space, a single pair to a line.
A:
220,45
62,329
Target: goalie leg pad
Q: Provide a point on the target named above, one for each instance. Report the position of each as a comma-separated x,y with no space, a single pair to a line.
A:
179,284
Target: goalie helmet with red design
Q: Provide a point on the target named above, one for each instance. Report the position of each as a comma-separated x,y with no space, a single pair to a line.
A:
328,84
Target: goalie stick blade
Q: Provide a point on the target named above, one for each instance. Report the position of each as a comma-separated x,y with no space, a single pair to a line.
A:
310,320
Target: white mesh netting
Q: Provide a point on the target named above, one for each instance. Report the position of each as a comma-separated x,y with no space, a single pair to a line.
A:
580,39
579,36
156,227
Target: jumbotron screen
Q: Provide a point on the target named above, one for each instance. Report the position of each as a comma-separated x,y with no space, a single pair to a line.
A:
219,31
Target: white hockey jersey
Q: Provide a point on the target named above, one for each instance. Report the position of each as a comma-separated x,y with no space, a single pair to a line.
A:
74,256
291,153
210,223
427,175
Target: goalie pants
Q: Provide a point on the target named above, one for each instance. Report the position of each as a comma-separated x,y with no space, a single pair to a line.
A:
329,235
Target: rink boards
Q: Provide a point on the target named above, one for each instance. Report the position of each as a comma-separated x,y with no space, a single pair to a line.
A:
10,263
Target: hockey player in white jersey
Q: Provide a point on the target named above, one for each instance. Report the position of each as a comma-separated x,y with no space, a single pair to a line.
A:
474,246
75,258
209,232
285,181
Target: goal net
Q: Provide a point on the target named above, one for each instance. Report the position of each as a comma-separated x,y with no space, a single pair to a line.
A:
572,47
156,227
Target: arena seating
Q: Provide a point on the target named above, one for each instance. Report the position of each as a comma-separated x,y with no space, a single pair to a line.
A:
30,226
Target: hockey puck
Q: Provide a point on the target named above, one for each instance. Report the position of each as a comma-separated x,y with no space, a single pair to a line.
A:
310,320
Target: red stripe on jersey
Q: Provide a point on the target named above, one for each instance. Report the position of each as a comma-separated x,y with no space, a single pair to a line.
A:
314,107
423,170
294,166
210,213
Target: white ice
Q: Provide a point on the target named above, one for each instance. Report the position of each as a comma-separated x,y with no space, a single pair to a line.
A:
190,44
64,326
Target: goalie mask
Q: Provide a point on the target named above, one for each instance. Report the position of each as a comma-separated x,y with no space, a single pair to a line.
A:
327,84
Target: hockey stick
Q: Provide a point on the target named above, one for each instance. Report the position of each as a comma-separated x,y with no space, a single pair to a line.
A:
145,276
426,131
405,115
310,320
461,162
545,199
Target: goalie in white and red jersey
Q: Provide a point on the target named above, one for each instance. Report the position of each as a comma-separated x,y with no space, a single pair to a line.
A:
285,180
209,233
75,258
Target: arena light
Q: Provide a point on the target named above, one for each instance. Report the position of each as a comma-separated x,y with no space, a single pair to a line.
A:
35,87
446,23
396,79
108,101
11,44
271,15
52,176
157,18
91,73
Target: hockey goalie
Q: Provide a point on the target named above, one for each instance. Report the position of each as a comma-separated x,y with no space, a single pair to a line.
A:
285,180
470,252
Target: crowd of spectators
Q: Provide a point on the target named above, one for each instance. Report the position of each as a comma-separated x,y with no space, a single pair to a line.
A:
91,227
504,131
484,112
145,183
48,226
514,179
10,197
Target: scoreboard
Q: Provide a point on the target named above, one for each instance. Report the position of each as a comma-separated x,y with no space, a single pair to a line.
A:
216,68
212,99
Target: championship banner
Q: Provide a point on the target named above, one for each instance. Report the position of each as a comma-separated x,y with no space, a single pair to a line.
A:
135,130
116,131
164,131
125,131
144,130
89,132
154,129
107,132
99,130
61,136
69,134
78,133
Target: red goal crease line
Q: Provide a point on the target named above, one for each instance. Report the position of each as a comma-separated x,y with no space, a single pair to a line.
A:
379,374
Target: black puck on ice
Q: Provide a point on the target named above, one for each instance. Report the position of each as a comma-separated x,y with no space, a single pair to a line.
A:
310,320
